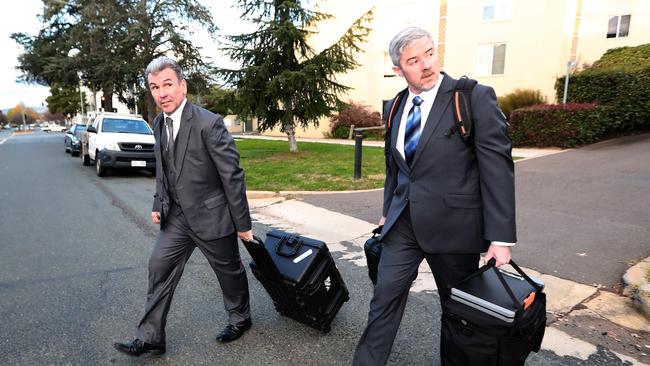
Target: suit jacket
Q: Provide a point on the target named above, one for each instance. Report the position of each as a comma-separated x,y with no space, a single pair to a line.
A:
209,182
460,198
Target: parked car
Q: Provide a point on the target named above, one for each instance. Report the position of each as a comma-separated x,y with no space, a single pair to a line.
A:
53,127
118,141
73,139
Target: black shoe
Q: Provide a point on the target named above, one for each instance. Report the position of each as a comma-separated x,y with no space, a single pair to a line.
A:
231,332
138,347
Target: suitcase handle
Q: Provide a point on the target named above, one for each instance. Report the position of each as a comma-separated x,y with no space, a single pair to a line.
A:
377,230
262,258
491,265
291,242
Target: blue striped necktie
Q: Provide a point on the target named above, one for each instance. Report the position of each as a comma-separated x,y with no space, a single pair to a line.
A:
412,131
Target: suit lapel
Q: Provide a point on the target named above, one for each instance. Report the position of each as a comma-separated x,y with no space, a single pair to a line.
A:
183,138
157,134
394,133
435,115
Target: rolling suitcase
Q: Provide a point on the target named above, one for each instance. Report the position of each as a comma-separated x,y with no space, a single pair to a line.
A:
300,276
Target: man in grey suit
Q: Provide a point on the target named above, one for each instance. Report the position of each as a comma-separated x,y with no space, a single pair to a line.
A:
200,201
444,201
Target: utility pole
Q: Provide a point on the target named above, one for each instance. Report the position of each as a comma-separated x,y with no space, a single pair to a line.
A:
569,64
24,124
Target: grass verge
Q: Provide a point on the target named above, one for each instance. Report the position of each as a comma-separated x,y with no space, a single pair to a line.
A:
269,166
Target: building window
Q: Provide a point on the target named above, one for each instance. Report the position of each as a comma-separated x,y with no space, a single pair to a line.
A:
497,9
491,59
618,26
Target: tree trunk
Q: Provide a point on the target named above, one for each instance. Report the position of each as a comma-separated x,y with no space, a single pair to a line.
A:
152,112
291,136
107,97
289,128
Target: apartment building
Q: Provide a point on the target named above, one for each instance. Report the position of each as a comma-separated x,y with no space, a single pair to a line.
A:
507,44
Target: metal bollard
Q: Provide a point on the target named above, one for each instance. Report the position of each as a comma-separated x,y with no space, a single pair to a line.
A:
358,142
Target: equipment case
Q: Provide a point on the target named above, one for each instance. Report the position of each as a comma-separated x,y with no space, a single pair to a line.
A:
493,318
301,277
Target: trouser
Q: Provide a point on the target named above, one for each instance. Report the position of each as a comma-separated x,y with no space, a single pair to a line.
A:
398,268
173,248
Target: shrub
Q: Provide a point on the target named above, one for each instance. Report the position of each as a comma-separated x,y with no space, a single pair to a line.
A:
628,92
358,115
559,125
620,79
520,98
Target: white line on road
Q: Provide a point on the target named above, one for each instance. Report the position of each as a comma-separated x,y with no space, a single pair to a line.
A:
2,141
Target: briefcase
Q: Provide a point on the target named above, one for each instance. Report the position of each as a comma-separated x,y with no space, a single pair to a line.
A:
372,248
493,317
300,276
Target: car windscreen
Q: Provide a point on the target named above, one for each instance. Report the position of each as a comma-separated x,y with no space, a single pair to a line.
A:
79,129
126,126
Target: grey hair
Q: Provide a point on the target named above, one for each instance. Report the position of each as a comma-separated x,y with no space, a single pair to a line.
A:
161,63
403,39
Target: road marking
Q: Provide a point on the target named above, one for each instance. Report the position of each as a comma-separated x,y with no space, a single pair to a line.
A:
2,141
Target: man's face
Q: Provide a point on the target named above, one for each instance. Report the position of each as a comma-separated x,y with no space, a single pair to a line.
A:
419,65
167,90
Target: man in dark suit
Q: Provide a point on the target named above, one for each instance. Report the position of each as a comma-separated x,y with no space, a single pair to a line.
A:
443,201
200,201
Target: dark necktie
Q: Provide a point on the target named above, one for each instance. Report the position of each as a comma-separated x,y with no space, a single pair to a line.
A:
170,135
412,131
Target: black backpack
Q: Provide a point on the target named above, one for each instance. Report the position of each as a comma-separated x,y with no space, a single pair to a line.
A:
461,103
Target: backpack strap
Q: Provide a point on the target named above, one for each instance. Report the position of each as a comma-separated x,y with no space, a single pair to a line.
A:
462,105
391,116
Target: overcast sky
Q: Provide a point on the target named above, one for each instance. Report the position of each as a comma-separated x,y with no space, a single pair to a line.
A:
23,18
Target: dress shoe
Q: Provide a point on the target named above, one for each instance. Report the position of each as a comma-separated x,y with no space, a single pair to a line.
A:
138,347
231,332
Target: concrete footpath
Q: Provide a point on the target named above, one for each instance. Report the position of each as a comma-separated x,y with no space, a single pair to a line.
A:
568,302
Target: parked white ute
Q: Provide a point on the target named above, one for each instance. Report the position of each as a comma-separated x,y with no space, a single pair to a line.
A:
119,141
52,127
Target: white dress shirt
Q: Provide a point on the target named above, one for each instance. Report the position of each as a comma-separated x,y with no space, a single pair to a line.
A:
176,117
428,97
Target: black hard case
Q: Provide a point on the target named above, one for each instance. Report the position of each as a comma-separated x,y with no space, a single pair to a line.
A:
301,277
472,334
372,249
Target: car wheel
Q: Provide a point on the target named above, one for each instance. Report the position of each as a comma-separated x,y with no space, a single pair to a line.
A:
85,159
101,171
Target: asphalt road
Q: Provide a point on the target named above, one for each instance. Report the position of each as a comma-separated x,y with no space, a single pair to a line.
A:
582,215
73,269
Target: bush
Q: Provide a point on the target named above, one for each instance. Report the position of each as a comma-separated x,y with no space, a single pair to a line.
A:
358,115
628,92
621,79
520,98
559,125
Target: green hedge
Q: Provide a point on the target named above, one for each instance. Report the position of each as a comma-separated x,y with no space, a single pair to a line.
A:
628,92
559,125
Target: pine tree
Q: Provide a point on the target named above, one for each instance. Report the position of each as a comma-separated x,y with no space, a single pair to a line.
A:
282,80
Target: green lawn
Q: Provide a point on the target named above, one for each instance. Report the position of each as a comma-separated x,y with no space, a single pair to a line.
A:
269,166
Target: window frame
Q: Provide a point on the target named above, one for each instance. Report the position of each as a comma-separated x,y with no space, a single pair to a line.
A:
619,21
501,10
488,69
